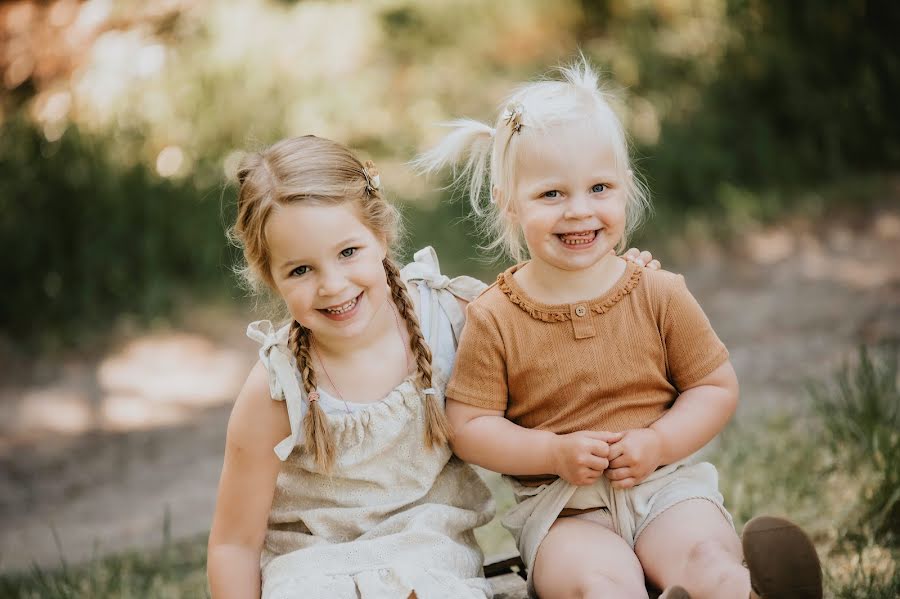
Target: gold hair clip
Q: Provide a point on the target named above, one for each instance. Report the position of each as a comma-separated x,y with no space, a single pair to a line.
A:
512,116
373,178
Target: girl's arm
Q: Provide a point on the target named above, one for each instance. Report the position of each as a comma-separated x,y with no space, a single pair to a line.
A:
486,438
698,415
246,488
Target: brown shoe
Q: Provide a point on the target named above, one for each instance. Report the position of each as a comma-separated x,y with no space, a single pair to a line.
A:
782,560
675,592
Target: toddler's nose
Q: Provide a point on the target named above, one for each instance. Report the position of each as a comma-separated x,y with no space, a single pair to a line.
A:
578,208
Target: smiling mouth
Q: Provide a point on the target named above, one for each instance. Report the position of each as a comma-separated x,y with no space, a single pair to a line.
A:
342,308
579,238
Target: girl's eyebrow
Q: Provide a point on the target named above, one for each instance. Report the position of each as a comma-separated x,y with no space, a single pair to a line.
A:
554,183
295,261
290,263
548,183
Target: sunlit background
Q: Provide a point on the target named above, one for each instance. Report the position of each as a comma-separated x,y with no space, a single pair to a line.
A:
767,131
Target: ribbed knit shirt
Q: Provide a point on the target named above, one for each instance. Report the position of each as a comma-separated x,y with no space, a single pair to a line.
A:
612,363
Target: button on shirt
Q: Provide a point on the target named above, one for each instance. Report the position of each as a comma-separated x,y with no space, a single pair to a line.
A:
582,323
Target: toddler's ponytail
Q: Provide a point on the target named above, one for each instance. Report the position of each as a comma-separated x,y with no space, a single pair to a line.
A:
469,145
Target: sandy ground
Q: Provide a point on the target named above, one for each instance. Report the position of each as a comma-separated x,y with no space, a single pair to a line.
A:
104,453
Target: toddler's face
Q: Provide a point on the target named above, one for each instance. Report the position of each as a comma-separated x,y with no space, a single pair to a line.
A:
327,266
569,198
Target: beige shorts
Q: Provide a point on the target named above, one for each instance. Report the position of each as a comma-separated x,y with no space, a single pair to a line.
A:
628,512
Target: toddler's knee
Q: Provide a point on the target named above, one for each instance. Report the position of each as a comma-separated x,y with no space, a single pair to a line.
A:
708,554
713,561
598,585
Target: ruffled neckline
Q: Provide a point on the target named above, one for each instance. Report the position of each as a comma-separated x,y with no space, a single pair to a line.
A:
562,312
407,385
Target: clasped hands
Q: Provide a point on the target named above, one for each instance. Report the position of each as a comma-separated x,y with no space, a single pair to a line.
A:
625,458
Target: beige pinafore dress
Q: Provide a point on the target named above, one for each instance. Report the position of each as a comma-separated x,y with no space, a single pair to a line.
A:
395,516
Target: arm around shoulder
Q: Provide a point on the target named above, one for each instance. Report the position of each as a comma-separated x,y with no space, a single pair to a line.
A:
246,489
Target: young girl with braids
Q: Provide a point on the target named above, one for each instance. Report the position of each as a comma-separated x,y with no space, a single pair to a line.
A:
361,496
592,382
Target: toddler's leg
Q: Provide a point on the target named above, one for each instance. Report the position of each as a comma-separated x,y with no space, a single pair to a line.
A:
579,558
692,544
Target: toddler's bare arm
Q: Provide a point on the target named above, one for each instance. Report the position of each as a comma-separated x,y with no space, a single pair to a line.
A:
486,438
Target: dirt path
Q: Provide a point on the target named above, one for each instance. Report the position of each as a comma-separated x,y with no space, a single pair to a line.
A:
102,454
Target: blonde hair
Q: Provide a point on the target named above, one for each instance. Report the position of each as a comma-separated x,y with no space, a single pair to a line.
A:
313,169
479,153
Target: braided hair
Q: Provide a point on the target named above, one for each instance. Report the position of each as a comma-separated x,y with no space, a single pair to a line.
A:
313,169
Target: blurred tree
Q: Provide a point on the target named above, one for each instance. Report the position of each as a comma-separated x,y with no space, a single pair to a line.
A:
804,95
85,241
121,120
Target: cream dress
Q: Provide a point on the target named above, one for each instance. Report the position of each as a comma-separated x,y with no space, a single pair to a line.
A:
395,516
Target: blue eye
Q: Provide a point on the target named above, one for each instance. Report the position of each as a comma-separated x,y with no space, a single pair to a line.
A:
300,270
348,252
550,194
602,187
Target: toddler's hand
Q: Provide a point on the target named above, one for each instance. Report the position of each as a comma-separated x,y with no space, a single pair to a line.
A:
581,457
640,258
632,459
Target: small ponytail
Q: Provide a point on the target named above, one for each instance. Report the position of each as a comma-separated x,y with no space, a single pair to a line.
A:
478,155
469,142
437,427
318,439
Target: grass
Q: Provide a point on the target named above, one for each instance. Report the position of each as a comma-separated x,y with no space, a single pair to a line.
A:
861,413
836,473
173,571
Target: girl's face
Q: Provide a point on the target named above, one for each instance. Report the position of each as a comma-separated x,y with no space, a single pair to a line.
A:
327,266
569,197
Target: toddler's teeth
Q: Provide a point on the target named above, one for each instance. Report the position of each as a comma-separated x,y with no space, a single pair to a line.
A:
579,238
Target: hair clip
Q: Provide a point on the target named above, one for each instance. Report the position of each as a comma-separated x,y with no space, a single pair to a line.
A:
430,391
512,116
313,396
373,178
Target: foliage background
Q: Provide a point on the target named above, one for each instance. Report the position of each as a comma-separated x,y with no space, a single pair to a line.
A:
121,122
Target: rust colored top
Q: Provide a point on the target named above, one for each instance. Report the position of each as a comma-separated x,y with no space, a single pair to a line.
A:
612,363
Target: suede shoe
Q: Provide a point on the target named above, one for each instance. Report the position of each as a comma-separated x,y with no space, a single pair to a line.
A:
782,560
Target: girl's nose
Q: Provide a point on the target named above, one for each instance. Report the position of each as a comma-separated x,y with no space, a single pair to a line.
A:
578,207
331,283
